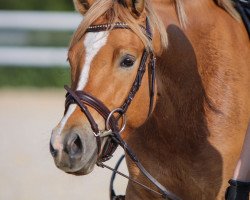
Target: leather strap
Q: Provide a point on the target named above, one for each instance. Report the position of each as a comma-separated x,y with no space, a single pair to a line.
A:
112,193
141,71
85,110
137,83
118,25
106,27
81,98
152,75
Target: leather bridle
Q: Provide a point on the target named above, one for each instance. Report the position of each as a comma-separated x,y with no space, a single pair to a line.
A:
113,132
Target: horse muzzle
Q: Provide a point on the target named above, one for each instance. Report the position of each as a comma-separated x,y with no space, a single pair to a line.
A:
74,152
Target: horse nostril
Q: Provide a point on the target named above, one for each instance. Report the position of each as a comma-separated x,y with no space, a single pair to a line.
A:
75,146
52,150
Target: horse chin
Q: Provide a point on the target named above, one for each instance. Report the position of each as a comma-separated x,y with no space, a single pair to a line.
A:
86,169
82,172
76,167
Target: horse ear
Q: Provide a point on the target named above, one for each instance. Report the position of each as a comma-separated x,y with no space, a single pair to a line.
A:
82,6
136,6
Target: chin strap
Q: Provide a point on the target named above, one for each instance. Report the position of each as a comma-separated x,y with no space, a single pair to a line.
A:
238,190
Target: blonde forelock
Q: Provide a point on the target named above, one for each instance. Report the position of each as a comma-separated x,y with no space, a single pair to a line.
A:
115,12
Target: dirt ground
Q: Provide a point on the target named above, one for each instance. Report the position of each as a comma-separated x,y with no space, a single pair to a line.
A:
27,171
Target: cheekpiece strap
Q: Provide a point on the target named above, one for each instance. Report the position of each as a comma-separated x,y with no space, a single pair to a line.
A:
148,29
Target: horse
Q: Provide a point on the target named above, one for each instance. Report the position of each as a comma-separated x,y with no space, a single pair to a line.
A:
186,128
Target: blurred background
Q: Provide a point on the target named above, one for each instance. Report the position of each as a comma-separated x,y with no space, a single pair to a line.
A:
34,36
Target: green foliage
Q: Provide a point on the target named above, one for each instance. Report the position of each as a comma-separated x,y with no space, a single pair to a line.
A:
57,5
34,77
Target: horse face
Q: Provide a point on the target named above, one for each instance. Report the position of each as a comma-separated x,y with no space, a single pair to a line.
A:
105,65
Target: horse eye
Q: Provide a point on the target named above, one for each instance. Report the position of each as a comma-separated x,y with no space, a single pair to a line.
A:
127,61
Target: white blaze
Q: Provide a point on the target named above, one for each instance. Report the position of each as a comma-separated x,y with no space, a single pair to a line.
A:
93,42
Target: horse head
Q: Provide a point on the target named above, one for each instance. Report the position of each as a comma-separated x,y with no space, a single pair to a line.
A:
109,57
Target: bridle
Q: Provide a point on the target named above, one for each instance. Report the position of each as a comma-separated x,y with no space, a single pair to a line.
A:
113,132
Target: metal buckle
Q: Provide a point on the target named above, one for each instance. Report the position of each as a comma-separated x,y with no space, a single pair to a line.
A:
97,134
103,134
106,133
124,119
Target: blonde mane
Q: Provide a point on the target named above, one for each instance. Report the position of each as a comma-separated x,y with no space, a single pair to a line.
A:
115,12
228,5
225,4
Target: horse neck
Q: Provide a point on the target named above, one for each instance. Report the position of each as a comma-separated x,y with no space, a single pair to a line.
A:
178,117
178,122
184,71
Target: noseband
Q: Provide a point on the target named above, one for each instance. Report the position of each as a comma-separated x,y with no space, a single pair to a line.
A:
112,130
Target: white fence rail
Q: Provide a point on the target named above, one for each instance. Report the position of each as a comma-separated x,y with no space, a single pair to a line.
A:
38,21
33,56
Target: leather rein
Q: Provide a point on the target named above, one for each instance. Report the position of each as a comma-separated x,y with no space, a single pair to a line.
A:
113,131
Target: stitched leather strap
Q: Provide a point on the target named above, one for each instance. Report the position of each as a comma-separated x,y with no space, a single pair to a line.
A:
137,82
152,75
106,27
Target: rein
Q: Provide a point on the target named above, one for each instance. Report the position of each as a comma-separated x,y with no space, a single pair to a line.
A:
112,131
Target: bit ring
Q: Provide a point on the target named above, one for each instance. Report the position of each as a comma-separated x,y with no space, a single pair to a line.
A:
124,119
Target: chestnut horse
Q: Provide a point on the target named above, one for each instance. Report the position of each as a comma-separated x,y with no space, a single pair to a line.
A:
191,141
